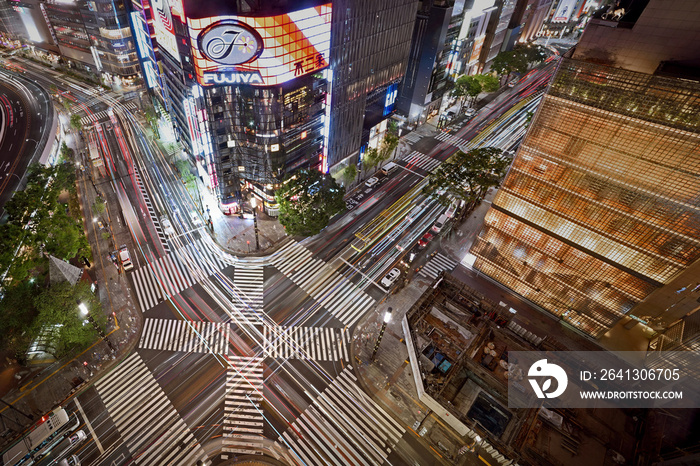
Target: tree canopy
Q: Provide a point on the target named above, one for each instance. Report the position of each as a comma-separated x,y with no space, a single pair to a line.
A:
467,86
39,223
308,200
76,121
489,83
467,176
506,63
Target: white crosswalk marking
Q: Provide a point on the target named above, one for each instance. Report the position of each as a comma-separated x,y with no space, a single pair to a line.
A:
421,161
142,412
248,292
317,343
186,337
160,280
206,256
454,140
243,419
338,295
103,115
168,276
436,265
413,137
343,426
151,210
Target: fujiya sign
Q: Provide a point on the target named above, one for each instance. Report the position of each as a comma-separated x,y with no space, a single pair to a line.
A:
232,77
230,42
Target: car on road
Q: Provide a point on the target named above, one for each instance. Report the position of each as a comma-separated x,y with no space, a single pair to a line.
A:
125,257
195,219
167,226
390,278
78,436
513,82
372,182
470,112
427,238
100,225
450,114
439,223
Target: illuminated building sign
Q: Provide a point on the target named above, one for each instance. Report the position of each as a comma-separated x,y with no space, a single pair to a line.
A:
260,51
390,100
476,51
163,25
145,49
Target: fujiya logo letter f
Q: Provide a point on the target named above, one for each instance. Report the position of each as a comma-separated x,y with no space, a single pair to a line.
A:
552,371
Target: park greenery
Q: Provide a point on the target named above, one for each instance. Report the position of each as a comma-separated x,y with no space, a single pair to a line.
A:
76,122
30,309
467,176
308,200
43,219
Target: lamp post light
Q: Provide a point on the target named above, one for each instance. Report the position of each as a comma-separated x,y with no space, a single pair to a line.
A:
86,313
387,319
255,223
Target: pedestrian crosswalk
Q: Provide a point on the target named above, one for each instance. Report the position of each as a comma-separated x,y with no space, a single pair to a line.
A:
454,140
147,421
413,137
172,273
315,343
338,295
437,264
185,336
103,115
342,426
151,210
419,160
243,418
248,290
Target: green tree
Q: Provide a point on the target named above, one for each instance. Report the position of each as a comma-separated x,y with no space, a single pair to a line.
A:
466,87
532,54
76,122
467,176
489,83
506,63
58,308
18,313
308,200
349,174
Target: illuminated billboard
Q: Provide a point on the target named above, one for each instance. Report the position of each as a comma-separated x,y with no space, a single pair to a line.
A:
260,51
163,25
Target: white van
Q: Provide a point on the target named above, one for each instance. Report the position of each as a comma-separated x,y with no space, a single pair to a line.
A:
439,223
389,167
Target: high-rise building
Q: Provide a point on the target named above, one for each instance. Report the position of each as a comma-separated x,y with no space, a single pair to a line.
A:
436,28
526,21
90,35
259,89
599,216
497,30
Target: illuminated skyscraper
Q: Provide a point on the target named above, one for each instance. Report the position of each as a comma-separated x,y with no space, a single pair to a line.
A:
599,216
258,89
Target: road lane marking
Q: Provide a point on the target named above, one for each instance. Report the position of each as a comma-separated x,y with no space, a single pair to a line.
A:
89,426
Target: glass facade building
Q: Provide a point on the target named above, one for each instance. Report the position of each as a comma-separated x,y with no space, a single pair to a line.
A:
601,205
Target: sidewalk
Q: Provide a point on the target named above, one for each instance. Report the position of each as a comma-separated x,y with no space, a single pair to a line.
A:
40,390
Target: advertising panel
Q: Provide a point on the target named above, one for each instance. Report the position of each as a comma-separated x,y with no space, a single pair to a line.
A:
564,11
260,51
163,25
145,48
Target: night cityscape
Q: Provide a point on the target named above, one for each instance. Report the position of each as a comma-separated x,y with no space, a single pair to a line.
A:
350,232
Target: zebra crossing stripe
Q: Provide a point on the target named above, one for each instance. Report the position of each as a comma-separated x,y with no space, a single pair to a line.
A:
243,419
421,161
184,336
310,343
436,265
355,429
340,297
168,275
141,412
248,290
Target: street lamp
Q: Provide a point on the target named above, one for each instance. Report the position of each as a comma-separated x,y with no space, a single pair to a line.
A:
255,224
86,313
387,319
